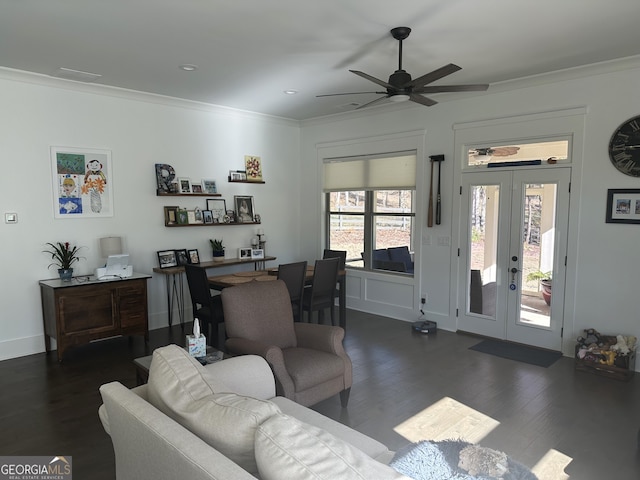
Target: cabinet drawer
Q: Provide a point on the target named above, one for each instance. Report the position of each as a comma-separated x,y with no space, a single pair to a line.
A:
88,310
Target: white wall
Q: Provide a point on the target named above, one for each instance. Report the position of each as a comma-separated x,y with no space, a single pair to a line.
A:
198,141
603,263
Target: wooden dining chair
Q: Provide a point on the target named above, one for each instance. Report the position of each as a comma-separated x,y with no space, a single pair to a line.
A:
293,275
322,292
207,308
340,254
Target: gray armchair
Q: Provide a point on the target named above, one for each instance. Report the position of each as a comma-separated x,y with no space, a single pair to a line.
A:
308,360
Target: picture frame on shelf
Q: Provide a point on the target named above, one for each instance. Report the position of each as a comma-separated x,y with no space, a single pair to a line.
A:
196,188
167,258
183,217
623,205
197,215
181,257
194,256
235,176
209,186
244,208
184,185
244,253
207,217
257,253
253,168
218,208
171,215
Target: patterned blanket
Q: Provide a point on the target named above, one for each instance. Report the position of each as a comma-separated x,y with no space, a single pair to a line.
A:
439,461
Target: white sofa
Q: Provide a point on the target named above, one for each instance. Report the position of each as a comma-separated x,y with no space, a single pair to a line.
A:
230,404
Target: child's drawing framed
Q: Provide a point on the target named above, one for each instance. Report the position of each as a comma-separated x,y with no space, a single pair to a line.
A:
82,181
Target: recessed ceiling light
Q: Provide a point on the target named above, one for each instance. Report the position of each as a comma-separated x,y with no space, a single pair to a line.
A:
188,67
290,92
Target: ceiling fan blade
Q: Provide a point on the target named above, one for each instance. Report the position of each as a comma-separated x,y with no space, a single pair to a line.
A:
372,79
479,87
373,102
433,76
422,100
350,93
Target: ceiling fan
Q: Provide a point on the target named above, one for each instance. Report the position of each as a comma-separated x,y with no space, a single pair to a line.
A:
401,87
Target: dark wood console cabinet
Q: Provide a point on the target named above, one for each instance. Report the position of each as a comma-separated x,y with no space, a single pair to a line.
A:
76,313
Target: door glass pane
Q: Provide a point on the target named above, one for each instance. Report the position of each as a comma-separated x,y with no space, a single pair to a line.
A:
483,249
538,241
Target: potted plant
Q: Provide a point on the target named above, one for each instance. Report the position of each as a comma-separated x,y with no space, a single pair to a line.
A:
63,256
545,282
217,250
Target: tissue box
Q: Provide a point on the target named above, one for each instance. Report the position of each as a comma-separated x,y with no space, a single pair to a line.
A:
197,346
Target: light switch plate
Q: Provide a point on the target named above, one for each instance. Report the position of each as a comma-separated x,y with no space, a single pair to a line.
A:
10,218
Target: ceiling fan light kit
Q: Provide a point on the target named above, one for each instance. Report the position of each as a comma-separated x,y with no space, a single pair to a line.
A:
401,88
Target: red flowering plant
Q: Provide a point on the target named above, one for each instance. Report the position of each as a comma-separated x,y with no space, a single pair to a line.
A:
63,255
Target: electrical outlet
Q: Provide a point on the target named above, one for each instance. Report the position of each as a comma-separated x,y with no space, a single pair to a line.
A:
423,300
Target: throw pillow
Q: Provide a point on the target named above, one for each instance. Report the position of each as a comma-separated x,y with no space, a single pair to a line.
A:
288,448
178,387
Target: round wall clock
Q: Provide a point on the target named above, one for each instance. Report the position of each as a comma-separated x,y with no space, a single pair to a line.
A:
624,147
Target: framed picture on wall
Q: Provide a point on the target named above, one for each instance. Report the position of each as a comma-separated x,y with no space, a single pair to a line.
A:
623,205
82,182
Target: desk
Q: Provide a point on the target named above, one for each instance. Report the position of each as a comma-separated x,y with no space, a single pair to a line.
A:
174,282
78,312
220,282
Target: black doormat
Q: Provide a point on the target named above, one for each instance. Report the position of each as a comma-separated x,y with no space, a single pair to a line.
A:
520,353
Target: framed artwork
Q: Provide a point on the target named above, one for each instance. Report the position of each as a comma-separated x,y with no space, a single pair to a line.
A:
183,217
194,257
167,258
257,253
244,209
181,257
82,182
209,186
196,188
207,217
184,184
237,176
170,215
253,167
244,253
218,208
623,205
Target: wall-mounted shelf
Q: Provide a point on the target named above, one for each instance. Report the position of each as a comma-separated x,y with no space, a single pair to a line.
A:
158,194
209,224
244,181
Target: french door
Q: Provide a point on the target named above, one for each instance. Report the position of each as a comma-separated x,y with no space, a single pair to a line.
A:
513,235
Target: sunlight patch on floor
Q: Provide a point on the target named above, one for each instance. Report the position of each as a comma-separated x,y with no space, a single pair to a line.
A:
552,465
447,419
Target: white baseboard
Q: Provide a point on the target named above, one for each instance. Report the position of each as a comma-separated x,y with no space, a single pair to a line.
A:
20,347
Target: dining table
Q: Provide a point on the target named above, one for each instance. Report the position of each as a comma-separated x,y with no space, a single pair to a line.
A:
220,282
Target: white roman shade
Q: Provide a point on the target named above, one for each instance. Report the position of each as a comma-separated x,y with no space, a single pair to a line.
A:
372,172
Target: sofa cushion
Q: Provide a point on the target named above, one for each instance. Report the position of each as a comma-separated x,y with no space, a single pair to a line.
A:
226,421
288,448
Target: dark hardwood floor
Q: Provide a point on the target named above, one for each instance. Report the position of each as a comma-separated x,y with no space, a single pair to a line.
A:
407,386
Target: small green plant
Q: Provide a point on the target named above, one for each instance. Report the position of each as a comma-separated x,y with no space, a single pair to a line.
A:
539,275
216,245
63,254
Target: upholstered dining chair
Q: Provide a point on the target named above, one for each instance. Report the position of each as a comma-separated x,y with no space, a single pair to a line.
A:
341,254
207,308
308,360
293,275
322,292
